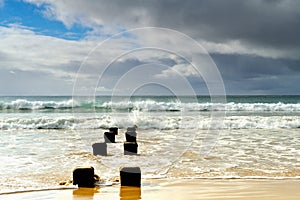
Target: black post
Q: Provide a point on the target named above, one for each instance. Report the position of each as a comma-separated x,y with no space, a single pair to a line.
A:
84,177
100,149
130,148
130,136
130,176
109,137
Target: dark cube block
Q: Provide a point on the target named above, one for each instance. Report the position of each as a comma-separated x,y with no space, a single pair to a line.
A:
130,148
130,176
84,177
109,137
100,149
130,136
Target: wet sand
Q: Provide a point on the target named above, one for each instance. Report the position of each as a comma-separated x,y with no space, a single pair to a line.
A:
178,189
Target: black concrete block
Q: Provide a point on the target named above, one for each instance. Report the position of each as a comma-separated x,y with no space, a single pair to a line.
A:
130,136
130,148
109,137
130,176
84,177
100,149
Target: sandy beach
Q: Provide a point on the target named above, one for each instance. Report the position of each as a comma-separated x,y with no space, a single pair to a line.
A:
178,189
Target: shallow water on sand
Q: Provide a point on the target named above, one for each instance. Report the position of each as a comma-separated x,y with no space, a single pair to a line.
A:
42,158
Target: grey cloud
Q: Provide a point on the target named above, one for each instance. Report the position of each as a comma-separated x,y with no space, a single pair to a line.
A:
116,70
271,23
242,66
5,57
167,61
72,66
282,85
256,24
249,74
2,55
121,67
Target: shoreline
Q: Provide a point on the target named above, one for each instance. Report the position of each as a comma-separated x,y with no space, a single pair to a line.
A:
244,189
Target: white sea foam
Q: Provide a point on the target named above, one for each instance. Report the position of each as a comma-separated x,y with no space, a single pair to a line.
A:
148,105
23,104
148,122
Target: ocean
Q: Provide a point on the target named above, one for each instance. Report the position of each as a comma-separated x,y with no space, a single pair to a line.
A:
44,138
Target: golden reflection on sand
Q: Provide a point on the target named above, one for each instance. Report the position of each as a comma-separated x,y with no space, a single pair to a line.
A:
87,193
130,193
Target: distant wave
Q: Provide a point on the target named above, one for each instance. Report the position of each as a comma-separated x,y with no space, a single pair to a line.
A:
23,104
149,122
146,105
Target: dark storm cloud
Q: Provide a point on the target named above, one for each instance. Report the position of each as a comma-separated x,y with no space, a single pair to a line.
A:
278,85
271,23
246,66
250,74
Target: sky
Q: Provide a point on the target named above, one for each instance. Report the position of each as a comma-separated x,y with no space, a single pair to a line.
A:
55,47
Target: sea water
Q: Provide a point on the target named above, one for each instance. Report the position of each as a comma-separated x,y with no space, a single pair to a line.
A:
44,138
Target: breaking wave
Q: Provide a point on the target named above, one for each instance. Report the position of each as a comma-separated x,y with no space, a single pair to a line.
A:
149,122
23,104
146,105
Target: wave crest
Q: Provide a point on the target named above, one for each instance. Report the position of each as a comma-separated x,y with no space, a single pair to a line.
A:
23,104
150,122
147,105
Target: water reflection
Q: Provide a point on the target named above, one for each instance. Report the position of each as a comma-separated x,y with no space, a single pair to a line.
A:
130,193
85,193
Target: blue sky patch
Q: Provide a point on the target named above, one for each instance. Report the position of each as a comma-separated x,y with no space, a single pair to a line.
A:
31,16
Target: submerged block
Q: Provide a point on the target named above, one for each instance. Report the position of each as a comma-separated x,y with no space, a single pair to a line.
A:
109,137
84,177
130,148
130,176
130,136
114,130
100,149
